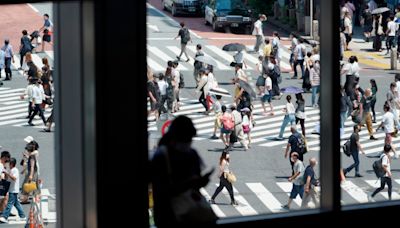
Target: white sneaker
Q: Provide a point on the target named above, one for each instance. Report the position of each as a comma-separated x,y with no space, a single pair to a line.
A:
3,220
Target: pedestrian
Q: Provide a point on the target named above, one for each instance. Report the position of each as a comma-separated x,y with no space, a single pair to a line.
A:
9,57
348,31
300,112
350,9
163,85
176,170
37,99
274,73
299,54
292,145
4,159
238,59
387,124
217,107
315,82
266,96
25,47
377,30
366,101
197,64
203,90
28,94
31,167
259,32
185,38
227,126
238,127
355,147
260,83
351,71
394,103
267,51
247,124
374,89
170,79
390,33
345,107
47,29
387,178
13,177
50,119
310,182
343,44
212,83
308,63
289,111
177,79
224,162
367,22
276,47
153,92
296,179
2,61
293,43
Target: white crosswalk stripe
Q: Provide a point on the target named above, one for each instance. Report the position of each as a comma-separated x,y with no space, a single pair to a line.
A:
259,198
159,55
13,110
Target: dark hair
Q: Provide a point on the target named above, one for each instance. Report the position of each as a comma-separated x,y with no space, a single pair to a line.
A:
223,157
373,84
386,107
309,54
198,46
275,33
266,40
13,161
397,76
288,98
46,15
170,63
218,97
223,108
160,76
5,154
299,96
353,59
387,148
6,41
182,24
24,32
355,127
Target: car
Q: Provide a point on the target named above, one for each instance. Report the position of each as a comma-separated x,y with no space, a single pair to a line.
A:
193,7
228,13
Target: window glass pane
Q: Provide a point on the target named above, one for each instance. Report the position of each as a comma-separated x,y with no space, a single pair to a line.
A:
255,76
368,84
26,69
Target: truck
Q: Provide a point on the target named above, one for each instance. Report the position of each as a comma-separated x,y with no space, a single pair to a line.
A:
228,13
193,7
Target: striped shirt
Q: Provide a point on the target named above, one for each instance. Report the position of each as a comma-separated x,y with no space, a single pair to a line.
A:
8,50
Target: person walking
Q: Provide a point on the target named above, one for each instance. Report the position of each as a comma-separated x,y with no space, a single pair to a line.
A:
163,85
377,30
374,89
387,178
247,124
276,47
224,162
47,29
37,99
366,101
202,88
258,32
296,179
390,33
310,182
13,177
292,145
300,112
266,96
4,159
348,31
227,126
185,38
315,82
293,43
289,111
238,128
299,54
25,47
393,102
355,147
345,106
9,57
153,92
387,124
217,107
197,64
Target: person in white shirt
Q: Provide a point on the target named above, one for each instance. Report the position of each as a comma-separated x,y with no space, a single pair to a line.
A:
203,90
37,99
348,28
162,85
258,32
293,44
387,124
4,158
238,58
276,46
13,177
267,96
296,179
391,33
387,178
289,111
299,54
176,75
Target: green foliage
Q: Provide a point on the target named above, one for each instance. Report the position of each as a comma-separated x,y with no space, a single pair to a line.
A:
262,7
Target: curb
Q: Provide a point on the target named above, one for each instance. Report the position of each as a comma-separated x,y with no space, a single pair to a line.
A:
306,39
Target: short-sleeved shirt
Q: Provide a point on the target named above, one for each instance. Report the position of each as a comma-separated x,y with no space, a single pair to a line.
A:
298,167
258,25
181,33
348,26
290,108
299,51
386,162
151,87
354,138
388,122
239,57
309,172
14,185
293,141
163,85
393,28
8,50
47,23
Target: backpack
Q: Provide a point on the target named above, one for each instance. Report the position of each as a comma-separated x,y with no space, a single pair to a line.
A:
186,35
228,123
346,148
181,81
301,144
378,168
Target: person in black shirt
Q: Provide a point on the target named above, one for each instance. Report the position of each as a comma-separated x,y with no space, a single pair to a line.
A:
355,147
292,145
310,194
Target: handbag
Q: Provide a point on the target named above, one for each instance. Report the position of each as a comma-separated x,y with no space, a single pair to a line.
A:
4,187
231,177
246,129
29,187
189,206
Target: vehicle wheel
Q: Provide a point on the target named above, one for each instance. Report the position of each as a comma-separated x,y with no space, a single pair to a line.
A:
215,26
173,11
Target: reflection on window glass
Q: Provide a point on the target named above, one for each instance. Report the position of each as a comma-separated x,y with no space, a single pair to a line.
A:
26,117
369,101
252,94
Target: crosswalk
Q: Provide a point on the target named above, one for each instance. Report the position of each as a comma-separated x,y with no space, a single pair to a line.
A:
268,127
158,56
259,198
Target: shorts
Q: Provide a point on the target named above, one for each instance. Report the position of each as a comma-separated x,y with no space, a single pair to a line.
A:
266,97
46,38
297,190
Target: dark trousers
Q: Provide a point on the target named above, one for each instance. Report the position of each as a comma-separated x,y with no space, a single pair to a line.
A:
384,180
203,101
37,110
303,129
301,63
373,102
8,68
356,163
21,61
223,182
30,109
389,43
161,108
